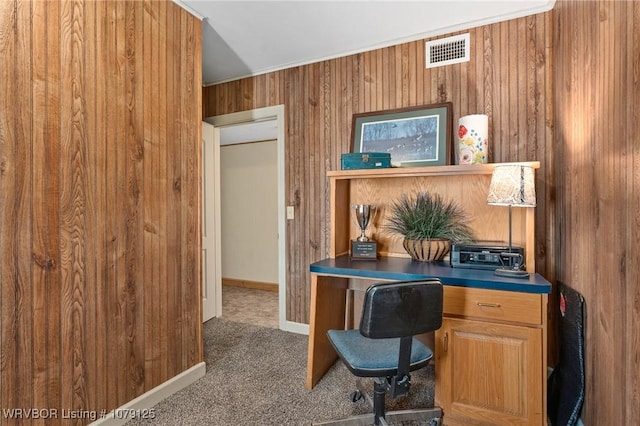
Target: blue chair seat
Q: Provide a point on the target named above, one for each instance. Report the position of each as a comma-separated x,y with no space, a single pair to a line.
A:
366,357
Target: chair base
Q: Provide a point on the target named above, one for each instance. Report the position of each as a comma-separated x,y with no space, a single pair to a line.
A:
432,415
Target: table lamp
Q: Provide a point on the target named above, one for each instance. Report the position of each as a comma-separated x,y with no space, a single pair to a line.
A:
512,185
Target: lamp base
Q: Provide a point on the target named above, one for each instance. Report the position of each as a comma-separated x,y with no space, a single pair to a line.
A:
511,273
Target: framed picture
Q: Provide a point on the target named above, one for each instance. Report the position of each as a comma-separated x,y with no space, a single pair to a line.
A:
417,136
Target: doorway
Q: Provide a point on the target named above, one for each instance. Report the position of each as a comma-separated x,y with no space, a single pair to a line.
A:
249,231
274,115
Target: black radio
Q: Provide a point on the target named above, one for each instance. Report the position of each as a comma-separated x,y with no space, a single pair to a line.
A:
485,256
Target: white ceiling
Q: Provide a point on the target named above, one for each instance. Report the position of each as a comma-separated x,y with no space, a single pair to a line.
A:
244,38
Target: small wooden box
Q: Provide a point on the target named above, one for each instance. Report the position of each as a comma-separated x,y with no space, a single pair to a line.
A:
366,160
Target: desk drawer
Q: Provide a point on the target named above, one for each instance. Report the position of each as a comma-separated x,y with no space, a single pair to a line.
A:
493,304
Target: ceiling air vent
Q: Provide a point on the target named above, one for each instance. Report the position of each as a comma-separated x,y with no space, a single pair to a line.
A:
446,51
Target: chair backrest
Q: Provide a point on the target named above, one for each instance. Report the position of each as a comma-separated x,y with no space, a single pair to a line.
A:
401,309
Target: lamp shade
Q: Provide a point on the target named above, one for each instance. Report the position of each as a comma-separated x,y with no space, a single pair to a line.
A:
512,185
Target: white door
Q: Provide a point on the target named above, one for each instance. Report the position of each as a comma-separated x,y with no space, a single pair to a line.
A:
211,264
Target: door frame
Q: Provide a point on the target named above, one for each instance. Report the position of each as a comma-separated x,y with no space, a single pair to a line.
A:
211,268
265,114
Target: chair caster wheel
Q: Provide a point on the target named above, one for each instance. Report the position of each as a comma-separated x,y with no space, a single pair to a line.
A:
434,422
356,396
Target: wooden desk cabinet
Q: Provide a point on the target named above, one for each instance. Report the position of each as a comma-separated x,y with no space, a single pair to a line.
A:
490,353
491,350
490,357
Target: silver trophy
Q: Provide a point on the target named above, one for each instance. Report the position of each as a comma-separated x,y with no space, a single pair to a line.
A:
363,247
363,215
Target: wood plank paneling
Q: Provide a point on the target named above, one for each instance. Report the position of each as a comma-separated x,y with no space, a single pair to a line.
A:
72,204
46,240
499,80
16,192
100,106
597,88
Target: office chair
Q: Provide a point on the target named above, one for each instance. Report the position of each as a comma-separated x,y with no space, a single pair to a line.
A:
385,347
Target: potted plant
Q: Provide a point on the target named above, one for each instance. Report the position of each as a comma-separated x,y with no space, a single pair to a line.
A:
429,225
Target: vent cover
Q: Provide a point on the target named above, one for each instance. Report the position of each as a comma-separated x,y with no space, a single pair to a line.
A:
446,51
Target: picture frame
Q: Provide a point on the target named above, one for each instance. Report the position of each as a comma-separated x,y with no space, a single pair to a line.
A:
415,136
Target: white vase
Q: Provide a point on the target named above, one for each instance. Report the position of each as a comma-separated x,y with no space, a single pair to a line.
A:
473,139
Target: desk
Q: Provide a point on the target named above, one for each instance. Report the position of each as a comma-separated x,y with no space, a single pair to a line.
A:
489,321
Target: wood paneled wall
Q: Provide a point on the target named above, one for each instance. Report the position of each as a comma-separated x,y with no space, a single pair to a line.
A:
100,106
597,104
508,78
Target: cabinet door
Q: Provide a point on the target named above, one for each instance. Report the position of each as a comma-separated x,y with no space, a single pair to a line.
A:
488,373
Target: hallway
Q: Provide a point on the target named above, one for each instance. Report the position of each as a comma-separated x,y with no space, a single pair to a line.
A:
250,306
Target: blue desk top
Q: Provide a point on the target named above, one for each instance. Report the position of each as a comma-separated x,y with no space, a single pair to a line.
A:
404,269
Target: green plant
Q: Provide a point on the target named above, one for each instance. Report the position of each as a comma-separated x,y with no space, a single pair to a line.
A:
427,216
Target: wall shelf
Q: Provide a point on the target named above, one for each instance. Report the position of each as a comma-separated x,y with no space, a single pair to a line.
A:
467,185
393,172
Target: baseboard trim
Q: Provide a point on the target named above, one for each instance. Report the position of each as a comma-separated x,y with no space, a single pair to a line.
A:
296,327
257,285
141,405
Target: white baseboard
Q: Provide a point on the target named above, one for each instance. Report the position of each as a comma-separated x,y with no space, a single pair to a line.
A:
142,405
296,327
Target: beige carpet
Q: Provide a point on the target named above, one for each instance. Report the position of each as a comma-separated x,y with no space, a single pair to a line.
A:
250,306
256,377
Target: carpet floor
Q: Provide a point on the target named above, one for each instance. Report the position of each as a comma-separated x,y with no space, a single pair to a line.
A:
250,306
256,376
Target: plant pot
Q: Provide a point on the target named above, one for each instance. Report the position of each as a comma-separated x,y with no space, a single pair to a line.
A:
427,250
